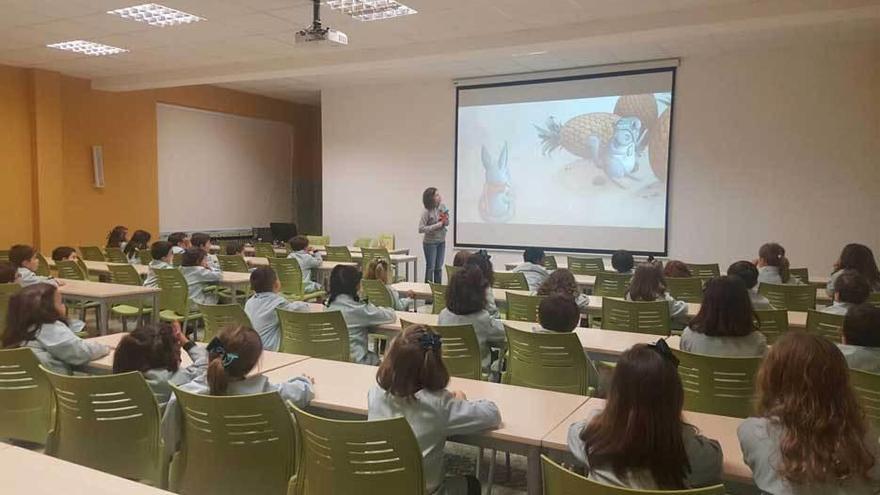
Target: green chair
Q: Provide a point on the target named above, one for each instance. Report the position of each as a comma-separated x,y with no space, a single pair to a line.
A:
825,325
264,250
43,267
460,349
219,316
91,253
548,361
338,253
233,263
687,289
386,241
145,256
376,293
867,387
550,263
773,323
523,308
115,255
252,435
451,270
874,298
718,385
6,292
318,240
319,335
4,255
438,294
70,270
174,298
85,269
369,254
363,242
802,274
789,297
704,271
127,275
586,266
109,423
291,277
639,317
363,457
26,402
561,481
612,284
509,281
177,260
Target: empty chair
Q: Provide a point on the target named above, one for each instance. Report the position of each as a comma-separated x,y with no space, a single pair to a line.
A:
70,270
376,293
802,274
550,263
640,317
264,250
523,308
825,325
586,266
789,297
363,242
232,263
253,435
363,457
92,253
338,253
704,271
319,335
115,255
220,316
290,276
43,267
610,284
718,385
772,323
386,241
174,297
867,387
687,289
548,361
26,401
509,281
438,293
318,240
127,275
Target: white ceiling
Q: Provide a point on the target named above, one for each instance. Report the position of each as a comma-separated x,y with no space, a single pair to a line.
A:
247,44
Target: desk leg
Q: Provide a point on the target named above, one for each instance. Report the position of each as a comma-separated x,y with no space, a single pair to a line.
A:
103,317
534,479
415,270
154,315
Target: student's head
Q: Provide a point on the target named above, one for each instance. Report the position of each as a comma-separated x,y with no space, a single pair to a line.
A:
641,424
648,283
299,243
139,240
676,269
533,255
860,258
194,257
147,348
483,261
232,354
413,362
22,256
559,313
460,258
378,270
726,310
745,271
861,326
345,279
117,236
161,251
178,239
201,240
851,287
622,261
431,198
467,291
773,254
264,279
234,248
804,386
64,253
29,309
7,276
561,281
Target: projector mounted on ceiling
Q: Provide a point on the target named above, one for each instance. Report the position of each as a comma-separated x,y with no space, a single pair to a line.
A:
317,33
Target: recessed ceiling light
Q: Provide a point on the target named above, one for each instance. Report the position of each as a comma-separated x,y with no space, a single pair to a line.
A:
87,48
371,10
156,15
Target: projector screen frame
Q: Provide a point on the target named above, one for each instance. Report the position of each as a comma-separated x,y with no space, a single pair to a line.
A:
549,78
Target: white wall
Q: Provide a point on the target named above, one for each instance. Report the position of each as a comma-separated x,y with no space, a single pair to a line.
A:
779,144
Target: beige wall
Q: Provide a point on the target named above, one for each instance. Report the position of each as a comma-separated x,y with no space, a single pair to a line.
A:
779,144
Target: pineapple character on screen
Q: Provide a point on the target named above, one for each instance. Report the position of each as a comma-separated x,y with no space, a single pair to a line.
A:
497,200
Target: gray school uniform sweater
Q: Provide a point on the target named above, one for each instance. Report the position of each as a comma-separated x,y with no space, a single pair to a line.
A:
27,278
837,308
307,263
432,227
199,278
260,309
829,288
160,379
751,345
359,317
152,280
861,358
758,301
60,350
772,275
535,274
489,330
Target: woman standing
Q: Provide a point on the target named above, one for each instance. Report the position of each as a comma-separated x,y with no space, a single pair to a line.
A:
433,224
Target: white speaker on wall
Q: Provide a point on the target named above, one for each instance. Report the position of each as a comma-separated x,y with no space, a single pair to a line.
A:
98,165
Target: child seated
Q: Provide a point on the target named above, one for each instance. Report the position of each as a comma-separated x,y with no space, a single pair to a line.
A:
676,269
748,273
725,325
199,277
649,285
861,338
25,260
140,240
235,248
533,267
203,242
308,259
856,257
483,261
64,253
461,257
161,251
562,281
179,242
378,270
260,308
345,285
850,289
118,237
773,265
623,261
558,313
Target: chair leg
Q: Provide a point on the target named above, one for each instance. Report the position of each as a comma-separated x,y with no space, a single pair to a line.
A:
124,324
507,465
490,478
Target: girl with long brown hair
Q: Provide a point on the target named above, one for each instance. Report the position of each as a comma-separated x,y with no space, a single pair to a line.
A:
725,325
562,281
810,436
856,257
773,266
378,269
648,284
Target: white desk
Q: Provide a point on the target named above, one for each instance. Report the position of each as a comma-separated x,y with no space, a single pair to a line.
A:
108,294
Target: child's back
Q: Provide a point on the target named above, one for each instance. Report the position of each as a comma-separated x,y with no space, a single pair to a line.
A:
532,268
648,285
308,261
199,277
861,338
261,307
345,282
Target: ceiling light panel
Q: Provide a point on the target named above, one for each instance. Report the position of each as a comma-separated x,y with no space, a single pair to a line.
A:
156,15
371,10
87,48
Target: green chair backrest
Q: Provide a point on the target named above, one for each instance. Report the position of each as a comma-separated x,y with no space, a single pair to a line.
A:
319,334
318,240
460,349
438,294
26,402
232,263
548,361
91,253
83,267
386,241
70,270
586,266
6,292
176,260
289,274
561,481
803,274
704,271
874,298
4,255
43,267
639,317
115,255
687,289
509,281
124,275
550,262
369,254
718,385
264,250
363,242
174,295
363,457
867,387
219,316
612,284
789,297
338,253
145,256
825,325
252,434
376,293
451,270
773,323
109,423
523,308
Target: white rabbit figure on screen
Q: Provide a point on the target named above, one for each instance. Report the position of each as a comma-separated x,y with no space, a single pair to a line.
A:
496,201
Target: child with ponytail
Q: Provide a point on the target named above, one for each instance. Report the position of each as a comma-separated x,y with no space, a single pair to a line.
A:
773,266
411,382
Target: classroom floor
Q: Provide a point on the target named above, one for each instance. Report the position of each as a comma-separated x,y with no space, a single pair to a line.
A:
461,460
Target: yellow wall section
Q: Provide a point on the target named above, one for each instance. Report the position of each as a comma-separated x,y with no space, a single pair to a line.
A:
16,199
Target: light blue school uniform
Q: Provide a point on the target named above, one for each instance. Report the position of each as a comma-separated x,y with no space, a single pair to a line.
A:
399,303
213,262
861,358
758,301
434,416
160,379
60,350
359,317
489,331
308,262
152,280
177,250
199,278
772,275
27,278
837,308
491,304
535,274
752,345
260,309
